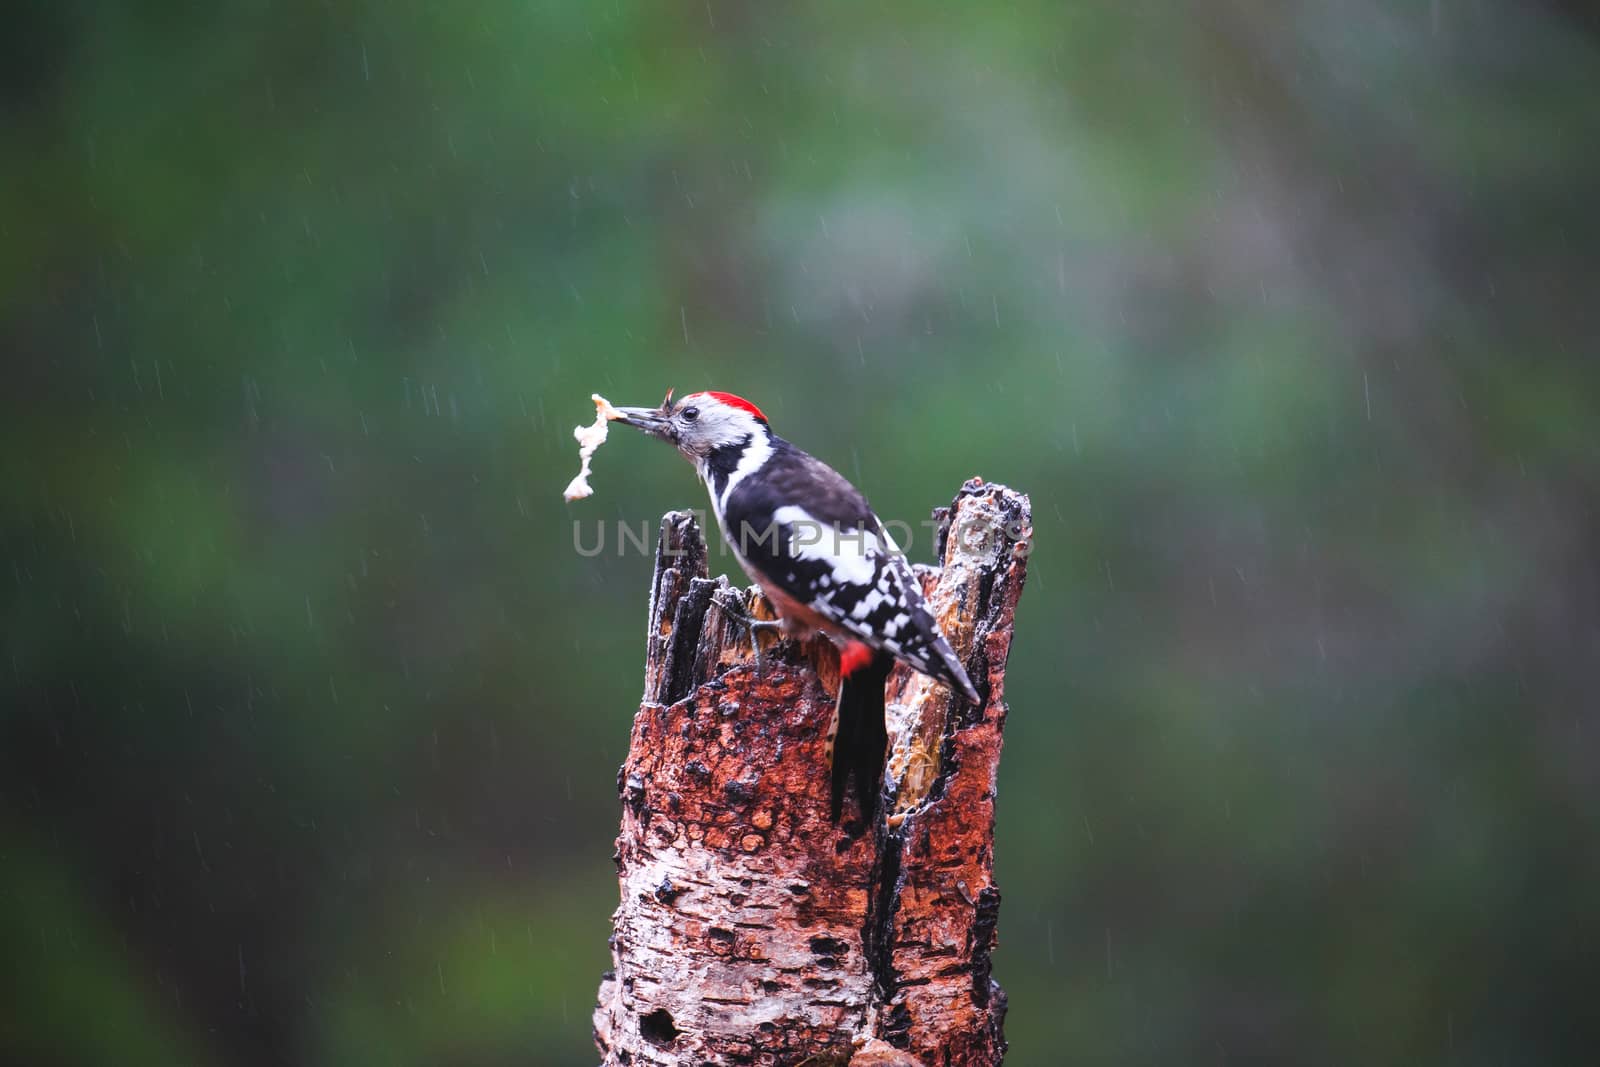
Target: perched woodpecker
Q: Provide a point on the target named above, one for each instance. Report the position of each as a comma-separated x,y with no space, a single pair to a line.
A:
813,545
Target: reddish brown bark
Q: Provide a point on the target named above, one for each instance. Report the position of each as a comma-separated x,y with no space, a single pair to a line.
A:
751,929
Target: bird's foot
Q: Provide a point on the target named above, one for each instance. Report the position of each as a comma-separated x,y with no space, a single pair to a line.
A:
734,606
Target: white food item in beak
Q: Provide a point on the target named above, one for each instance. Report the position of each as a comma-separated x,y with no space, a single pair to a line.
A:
590,438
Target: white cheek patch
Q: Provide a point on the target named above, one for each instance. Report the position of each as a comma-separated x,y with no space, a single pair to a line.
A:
851,554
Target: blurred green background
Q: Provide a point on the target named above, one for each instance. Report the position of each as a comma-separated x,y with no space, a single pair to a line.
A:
1284,313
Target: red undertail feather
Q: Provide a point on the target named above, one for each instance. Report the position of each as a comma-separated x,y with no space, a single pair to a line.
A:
853,657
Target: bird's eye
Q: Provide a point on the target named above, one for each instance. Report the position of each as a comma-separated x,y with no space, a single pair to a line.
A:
690,414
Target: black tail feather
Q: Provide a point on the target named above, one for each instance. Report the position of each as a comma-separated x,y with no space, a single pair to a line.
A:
860,745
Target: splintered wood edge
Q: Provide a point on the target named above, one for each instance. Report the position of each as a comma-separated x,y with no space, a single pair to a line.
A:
982,533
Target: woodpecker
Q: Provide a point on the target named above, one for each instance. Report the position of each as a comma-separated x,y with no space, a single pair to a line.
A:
810,541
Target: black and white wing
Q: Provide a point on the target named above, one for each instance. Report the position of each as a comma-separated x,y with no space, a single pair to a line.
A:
811,533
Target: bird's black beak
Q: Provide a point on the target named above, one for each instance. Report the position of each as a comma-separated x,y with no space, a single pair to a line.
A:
651,420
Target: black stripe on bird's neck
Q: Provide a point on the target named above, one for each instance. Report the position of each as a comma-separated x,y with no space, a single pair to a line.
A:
720,463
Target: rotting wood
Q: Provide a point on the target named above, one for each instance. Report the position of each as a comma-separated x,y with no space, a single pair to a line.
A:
751,929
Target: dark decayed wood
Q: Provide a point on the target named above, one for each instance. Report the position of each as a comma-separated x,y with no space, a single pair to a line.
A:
751,929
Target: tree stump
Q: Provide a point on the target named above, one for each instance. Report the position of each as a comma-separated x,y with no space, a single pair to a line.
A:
752,930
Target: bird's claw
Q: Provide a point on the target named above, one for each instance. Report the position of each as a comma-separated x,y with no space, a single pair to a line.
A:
732,603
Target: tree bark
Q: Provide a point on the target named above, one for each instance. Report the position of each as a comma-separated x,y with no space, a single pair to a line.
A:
751,929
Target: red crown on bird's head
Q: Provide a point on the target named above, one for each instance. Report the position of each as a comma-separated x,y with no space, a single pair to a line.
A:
722,398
